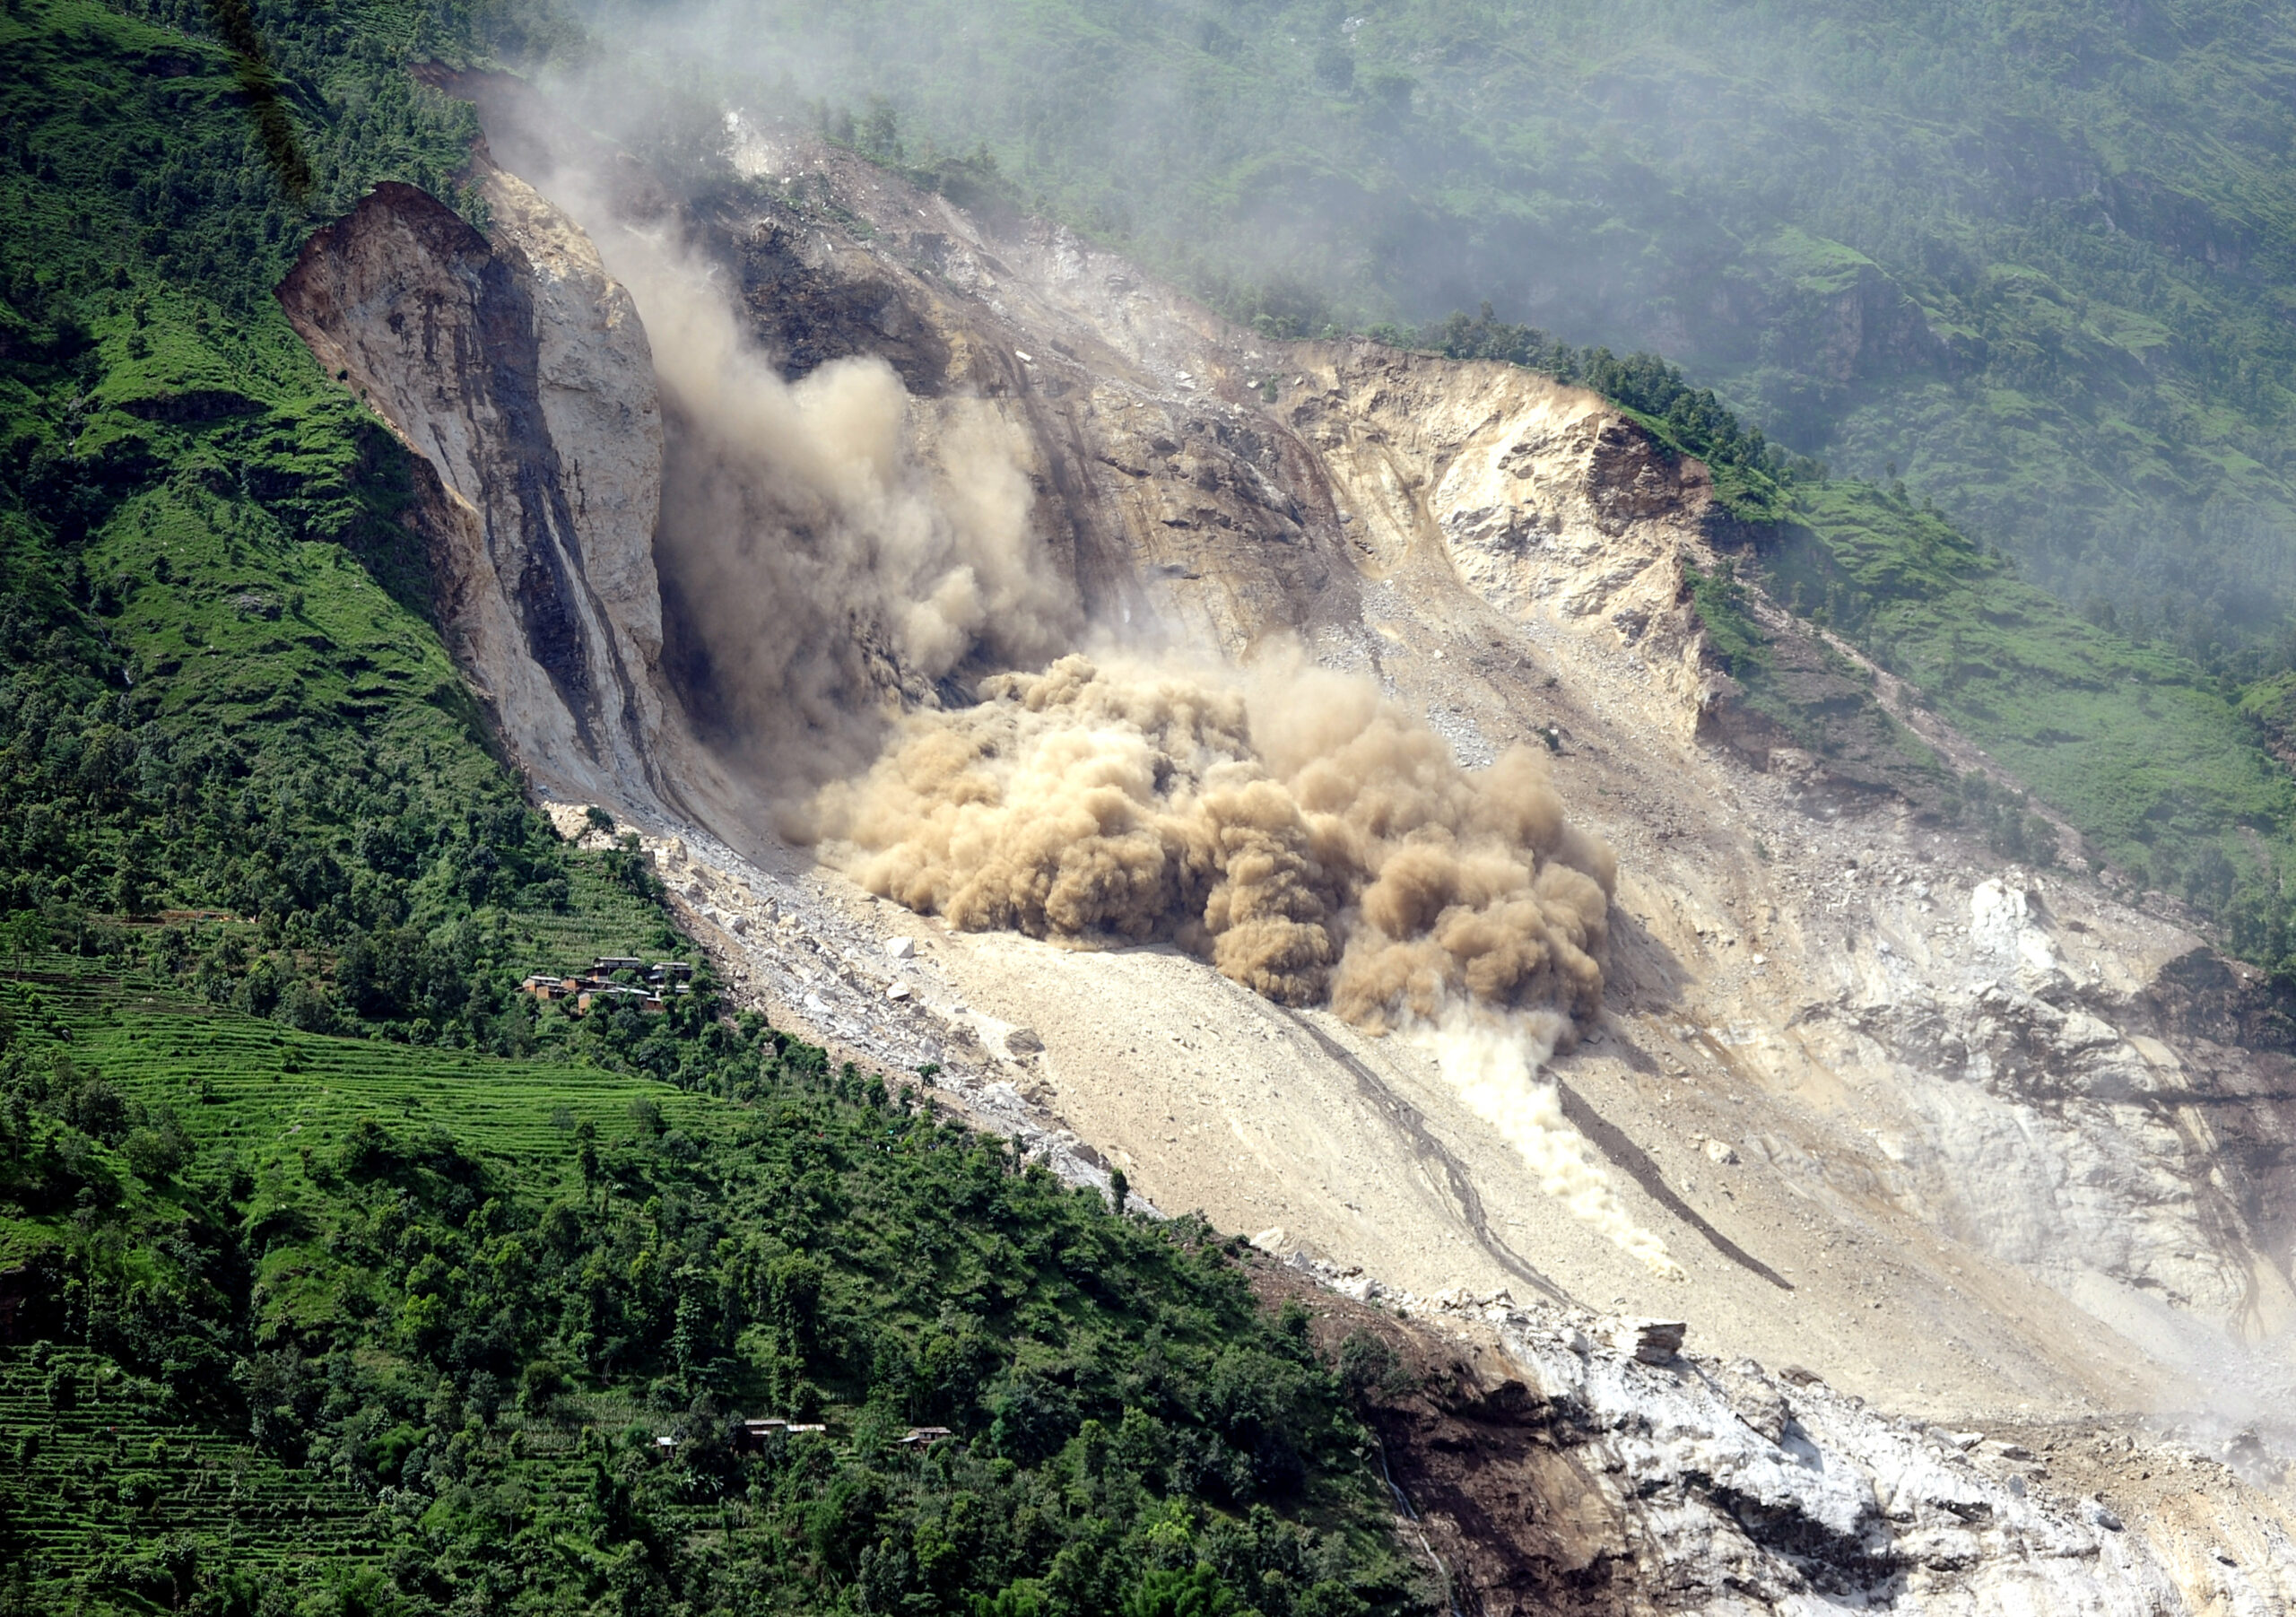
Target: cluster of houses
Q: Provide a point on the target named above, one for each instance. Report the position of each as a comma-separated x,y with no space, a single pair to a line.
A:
751,1435
755,1436
601,986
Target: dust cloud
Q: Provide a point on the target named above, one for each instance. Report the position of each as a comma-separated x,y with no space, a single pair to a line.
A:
1493,1063
849,559
836,551
1310,839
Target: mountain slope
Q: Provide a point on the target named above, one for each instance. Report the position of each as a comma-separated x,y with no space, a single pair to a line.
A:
2037,256
336,1273
475,1326
1985,1144
1959,1137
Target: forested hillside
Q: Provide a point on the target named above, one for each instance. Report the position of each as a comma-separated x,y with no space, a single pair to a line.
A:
336,1275
2038,259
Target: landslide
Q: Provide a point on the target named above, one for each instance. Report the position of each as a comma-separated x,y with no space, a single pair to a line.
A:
1978,1142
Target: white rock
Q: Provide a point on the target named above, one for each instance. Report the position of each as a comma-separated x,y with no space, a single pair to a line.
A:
901,948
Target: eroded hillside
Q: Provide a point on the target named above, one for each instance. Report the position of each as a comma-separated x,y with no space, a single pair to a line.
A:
1978,1144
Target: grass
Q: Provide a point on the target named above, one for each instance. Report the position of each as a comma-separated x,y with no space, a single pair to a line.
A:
111,1477
105,1484
603,916
274,1096
2157,764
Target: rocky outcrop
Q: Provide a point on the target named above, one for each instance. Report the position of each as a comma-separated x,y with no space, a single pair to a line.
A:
1547,1469
519,375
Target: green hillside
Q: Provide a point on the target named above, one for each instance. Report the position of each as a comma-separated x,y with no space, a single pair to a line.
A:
2155,763
330,1325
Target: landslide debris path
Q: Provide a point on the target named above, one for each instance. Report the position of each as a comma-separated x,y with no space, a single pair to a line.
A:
1980,1144
1434,1154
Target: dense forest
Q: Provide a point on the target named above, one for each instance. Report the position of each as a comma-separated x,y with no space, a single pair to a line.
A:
326,1325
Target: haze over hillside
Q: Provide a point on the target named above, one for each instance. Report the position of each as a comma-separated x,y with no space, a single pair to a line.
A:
2037,258
829,809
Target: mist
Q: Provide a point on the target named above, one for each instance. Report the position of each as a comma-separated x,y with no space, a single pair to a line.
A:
1809,207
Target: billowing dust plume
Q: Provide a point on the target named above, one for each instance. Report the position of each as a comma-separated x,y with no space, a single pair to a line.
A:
836,548
1311,840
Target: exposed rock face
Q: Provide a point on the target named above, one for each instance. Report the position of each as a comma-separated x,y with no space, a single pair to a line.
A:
1551,1471
2065,1132
519,374
1156,492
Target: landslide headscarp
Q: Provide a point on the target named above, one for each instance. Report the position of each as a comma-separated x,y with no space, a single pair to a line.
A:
519,375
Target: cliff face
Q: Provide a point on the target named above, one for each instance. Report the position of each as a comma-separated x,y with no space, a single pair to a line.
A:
519,375
1987,1147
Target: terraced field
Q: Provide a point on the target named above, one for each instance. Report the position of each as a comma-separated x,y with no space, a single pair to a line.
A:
603,917
100,1480
100,1474
270,1093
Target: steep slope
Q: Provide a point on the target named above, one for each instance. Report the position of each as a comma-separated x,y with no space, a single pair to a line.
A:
510,350
1975,1141
337,1275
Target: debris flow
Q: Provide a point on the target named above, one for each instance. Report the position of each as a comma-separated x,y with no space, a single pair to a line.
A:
847,555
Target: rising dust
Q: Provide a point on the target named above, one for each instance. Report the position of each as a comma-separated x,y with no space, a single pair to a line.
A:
1309,839
836,551
841,552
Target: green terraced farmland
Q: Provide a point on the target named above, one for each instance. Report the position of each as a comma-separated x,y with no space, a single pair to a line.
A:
296,1324
102,1474
274,1095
